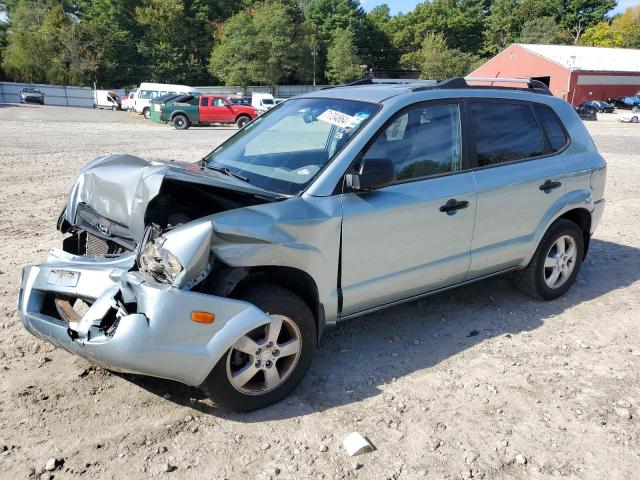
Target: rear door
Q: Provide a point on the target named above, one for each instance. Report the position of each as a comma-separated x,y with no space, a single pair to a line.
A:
403,240
519,178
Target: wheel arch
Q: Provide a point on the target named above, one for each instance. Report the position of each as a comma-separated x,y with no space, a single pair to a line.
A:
175,113
243,114
294,279
581,217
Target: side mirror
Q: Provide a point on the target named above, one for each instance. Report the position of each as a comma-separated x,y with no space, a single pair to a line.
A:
374,173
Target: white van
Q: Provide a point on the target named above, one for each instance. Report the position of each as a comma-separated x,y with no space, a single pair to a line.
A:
106,99
262,101
148,91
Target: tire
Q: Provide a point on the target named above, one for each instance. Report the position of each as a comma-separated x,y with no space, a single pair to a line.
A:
180,122
297,321
535,279
114,108
147,113
634,119
242,121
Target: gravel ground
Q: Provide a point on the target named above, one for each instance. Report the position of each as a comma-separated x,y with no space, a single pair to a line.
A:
480,382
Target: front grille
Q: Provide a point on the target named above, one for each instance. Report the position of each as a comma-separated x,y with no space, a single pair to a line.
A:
102,232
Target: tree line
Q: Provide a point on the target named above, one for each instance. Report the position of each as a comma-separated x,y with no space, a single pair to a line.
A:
117,43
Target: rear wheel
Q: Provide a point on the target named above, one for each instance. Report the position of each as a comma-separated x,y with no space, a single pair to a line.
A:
242,121
265,365
555,264
634,119
180,122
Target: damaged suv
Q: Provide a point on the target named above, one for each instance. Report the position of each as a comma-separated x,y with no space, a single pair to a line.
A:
222,274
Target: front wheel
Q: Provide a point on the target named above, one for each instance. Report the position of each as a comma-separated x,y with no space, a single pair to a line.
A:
555,264
634,119
265,365
242,121
147,113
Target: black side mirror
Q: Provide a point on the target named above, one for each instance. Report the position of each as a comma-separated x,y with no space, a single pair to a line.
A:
373,173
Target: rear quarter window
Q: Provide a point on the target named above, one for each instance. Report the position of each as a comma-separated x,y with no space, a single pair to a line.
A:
552,127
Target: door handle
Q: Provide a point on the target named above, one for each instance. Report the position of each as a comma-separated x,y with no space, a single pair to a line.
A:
550,185
453,205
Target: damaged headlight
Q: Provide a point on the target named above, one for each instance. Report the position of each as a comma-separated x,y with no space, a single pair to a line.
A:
157,261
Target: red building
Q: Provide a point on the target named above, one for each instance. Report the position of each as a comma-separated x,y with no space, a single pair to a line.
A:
574,73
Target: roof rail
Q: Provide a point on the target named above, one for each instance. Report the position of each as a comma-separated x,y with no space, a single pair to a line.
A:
462,82
386,81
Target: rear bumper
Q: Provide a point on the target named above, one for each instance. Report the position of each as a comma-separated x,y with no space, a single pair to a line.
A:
154,337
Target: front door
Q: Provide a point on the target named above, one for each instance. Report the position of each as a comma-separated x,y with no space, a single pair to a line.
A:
413,236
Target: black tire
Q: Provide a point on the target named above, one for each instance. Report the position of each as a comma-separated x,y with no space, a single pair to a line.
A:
275,300
147,113
531,280
634,119
242,121
180,122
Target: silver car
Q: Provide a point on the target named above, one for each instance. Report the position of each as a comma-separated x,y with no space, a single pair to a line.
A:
223,274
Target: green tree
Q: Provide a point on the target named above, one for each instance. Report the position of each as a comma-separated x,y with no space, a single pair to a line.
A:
262,45
44,45
110,32
343,62
623,31
579,15
436,61
542,30
502,26
459,22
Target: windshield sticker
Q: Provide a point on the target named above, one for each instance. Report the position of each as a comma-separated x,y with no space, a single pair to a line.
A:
338,119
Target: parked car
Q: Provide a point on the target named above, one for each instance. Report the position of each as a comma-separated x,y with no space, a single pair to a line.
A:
240,100
31,95
599,106
626,103
633,117
155,106
148,91
205,110
262,101
106,99
224,273
128,102
587,113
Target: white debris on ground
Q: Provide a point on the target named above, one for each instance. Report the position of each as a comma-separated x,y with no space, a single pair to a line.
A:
521,398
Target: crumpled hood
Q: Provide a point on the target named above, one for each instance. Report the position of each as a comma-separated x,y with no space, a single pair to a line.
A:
119,187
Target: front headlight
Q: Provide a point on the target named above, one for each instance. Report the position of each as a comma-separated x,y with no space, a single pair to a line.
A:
157,261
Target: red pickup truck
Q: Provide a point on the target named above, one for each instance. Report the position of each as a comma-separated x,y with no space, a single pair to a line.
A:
205,110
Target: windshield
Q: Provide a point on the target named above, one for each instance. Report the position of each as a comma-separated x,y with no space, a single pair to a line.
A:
284,149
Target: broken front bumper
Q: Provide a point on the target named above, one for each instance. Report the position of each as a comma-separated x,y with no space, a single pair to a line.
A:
154,336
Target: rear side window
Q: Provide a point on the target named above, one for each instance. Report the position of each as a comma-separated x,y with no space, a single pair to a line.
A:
504,132
552,127
204,101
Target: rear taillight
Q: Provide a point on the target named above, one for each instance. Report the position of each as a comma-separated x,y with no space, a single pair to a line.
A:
161,109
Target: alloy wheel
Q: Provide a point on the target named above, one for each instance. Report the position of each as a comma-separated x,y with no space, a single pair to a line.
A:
262,360
560,261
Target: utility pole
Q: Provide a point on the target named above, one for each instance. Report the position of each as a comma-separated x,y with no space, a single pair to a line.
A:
314,54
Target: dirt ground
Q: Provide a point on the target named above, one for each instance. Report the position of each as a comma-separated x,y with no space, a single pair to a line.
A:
480,382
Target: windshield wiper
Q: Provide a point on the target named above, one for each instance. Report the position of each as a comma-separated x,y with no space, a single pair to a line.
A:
227,172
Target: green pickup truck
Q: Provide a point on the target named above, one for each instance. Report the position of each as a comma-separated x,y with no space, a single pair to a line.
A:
205,110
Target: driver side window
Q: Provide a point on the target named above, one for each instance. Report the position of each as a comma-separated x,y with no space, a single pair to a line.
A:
421,142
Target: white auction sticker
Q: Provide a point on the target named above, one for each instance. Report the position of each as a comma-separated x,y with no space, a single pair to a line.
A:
338,119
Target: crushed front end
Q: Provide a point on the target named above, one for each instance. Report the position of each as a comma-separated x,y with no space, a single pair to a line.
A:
125,321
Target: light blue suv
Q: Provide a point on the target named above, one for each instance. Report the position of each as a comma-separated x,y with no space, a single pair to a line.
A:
222,274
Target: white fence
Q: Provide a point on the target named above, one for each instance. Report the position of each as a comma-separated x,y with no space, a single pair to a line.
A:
53,94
